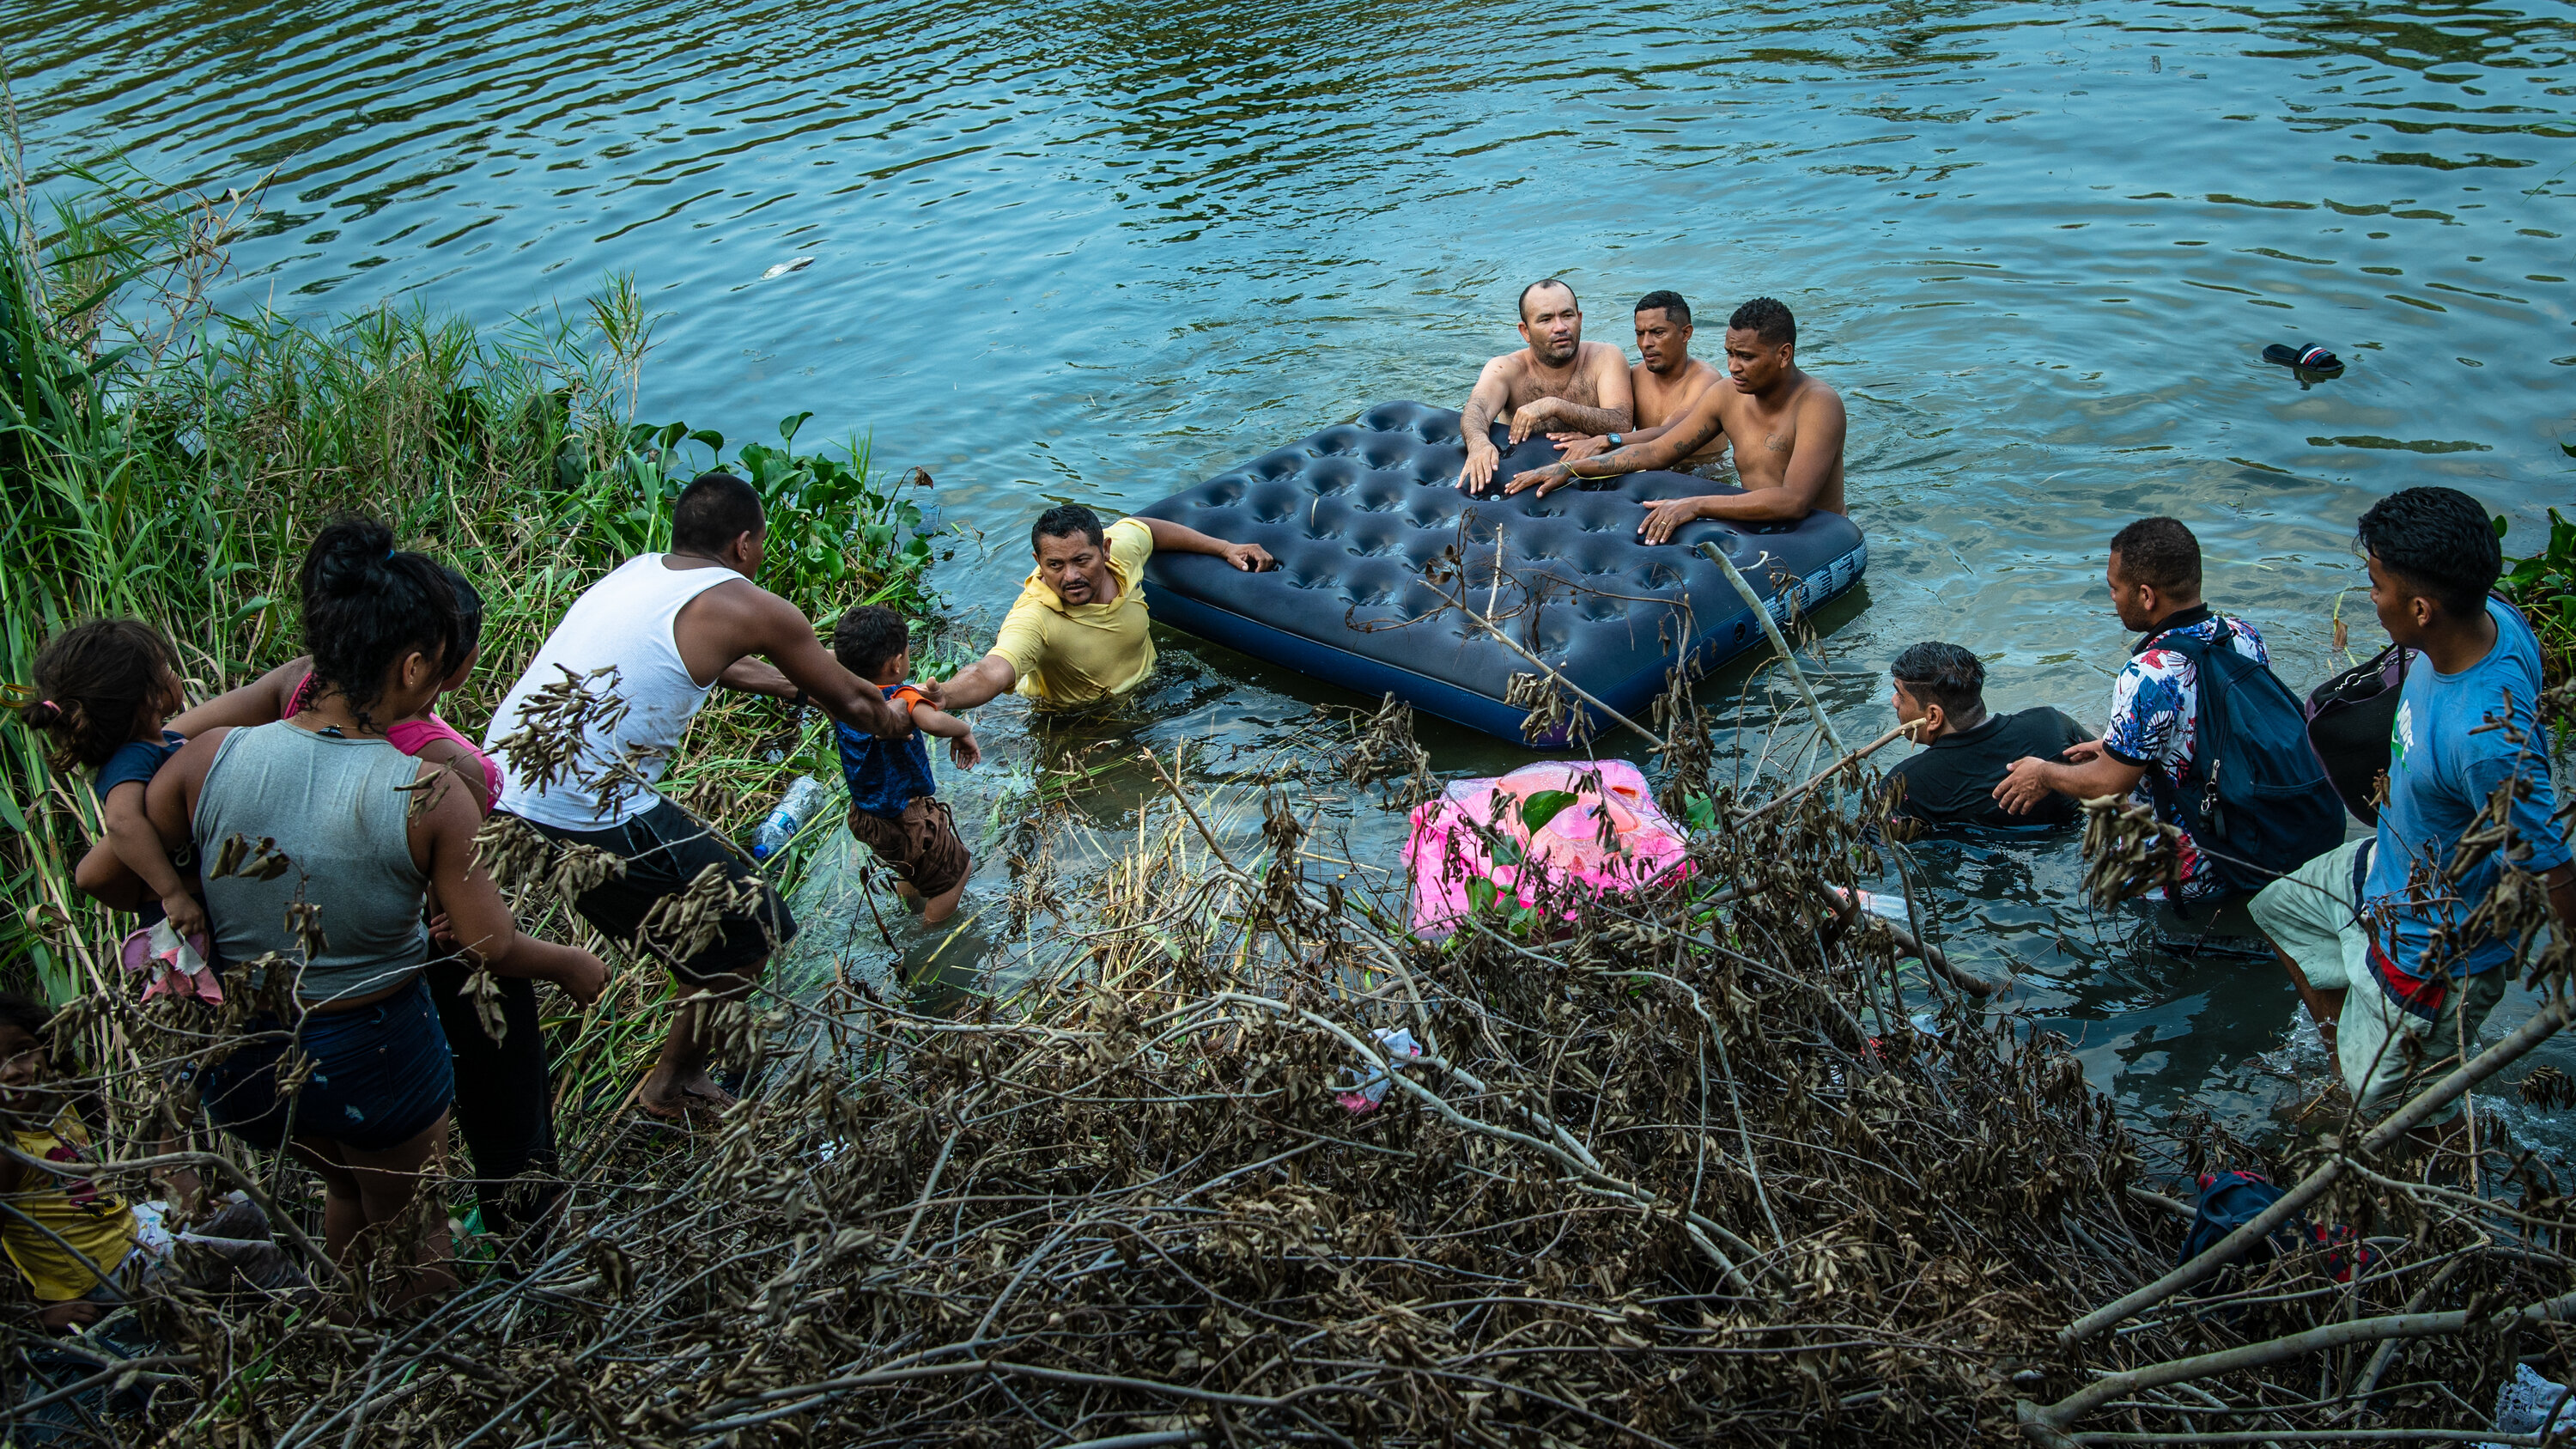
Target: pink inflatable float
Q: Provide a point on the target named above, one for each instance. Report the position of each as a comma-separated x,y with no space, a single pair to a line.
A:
1453,844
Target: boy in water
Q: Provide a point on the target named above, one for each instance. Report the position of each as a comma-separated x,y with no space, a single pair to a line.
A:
894,809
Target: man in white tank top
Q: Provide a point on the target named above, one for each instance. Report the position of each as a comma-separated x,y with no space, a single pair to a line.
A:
643,648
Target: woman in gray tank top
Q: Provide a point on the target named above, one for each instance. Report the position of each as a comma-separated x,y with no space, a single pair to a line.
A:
368,836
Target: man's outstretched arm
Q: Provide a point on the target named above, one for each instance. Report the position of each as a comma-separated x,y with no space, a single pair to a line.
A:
1811,466
2086,772
781,633
981,682
1170,537
757,676
1676,440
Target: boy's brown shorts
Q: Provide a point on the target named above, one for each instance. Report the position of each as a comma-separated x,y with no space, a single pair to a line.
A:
923,848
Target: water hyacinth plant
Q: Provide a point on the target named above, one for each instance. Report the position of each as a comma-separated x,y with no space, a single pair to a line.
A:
2544,584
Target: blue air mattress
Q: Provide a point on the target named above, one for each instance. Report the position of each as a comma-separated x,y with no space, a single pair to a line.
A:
1380,558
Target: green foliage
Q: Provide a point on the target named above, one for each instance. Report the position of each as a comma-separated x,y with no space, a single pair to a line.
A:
1481,895
834,527
2544,585
1542,806
179,482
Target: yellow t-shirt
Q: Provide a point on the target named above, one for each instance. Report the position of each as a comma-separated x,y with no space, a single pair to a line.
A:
1071,657
88,1216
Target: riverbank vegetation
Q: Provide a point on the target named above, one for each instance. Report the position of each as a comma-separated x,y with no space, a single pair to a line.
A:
1721,1162
2544,584
173,469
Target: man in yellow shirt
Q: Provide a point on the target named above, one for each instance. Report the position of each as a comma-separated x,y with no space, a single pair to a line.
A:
1078,632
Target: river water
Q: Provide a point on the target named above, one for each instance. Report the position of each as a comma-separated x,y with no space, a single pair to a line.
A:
1099,251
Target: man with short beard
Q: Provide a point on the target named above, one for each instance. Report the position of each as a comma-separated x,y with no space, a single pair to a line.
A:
1665,382
1078,633
1559,382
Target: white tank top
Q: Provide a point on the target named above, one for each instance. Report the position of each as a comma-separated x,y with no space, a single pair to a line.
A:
621,622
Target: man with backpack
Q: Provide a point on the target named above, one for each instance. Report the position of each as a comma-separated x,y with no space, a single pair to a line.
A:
2384,937
2200,730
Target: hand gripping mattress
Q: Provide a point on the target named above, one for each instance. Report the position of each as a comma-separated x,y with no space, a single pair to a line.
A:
1370,537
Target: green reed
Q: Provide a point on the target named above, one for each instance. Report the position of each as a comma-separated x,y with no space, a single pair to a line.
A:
171,463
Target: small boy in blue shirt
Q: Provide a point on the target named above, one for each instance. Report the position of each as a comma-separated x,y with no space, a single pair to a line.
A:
894,809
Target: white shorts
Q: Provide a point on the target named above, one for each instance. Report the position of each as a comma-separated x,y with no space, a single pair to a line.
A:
2313,917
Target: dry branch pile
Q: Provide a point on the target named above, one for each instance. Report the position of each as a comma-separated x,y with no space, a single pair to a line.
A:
1713,1165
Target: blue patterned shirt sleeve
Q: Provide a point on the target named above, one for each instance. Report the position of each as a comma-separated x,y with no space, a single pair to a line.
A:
2150,709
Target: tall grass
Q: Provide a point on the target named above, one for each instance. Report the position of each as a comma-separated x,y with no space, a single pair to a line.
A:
161,461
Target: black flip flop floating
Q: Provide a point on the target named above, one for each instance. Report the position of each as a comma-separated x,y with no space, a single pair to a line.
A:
2307,357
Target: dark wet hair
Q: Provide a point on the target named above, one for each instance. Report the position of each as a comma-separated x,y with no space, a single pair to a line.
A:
366,606
1946,675
2440,541
867,637
467,634
1672,304
1547,282
1064,520
25,1012
2161,552
92,681
713,511
1767,318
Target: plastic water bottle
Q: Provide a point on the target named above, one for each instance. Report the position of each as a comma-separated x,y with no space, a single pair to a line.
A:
797,806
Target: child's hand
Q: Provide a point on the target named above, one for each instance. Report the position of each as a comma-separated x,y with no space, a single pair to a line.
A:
187,915
965,751
185,1190
583,977
69,1315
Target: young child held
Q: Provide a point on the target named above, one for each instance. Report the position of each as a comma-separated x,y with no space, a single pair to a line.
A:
105,692
893,807
80,1247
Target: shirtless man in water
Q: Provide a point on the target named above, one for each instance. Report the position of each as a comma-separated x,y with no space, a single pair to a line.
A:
1558,382
1787,429
1665,382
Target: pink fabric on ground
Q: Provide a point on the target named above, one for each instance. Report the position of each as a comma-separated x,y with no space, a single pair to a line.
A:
1447,848
411,736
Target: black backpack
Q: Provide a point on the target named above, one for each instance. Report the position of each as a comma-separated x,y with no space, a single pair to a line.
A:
2350,718
2263,806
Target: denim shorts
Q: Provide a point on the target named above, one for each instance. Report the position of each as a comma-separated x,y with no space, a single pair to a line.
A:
381,1077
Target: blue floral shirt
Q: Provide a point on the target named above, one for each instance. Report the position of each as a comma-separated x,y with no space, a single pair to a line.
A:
2155,707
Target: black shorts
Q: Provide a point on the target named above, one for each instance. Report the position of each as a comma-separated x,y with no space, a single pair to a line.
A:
666,848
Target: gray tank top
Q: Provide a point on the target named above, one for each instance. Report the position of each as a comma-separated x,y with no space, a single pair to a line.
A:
337,810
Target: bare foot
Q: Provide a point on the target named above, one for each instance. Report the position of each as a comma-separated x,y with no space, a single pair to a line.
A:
672,1101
